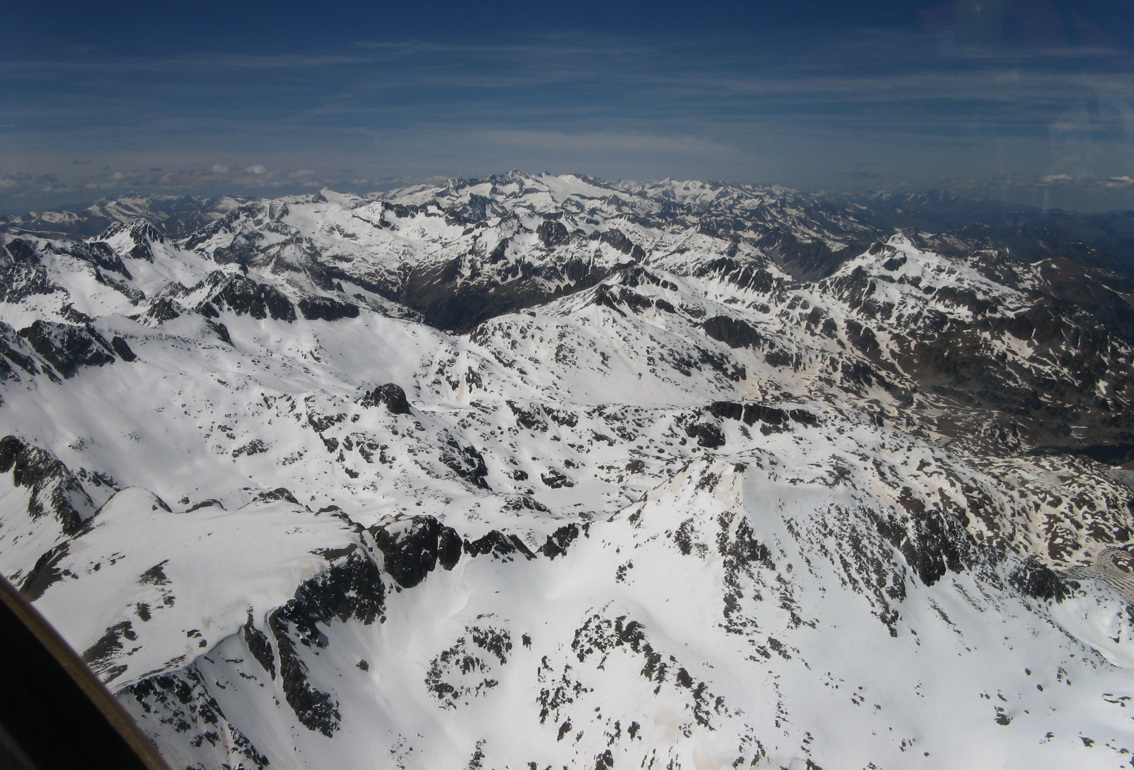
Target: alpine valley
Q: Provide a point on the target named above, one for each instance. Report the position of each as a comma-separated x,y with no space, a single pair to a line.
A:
541,471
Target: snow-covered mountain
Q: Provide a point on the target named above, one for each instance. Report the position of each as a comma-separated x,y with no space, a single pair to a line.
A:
537,471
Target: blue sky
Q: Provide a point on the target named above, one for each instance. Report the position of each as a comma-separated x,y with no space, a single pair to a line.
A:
1027,99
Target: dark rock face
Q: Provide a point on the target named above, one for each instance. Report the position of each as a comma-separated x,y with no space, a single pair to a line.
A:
733,332
417,550
605,297
253,447
498,545
555,479
68,348
20,250
259,646
54,488
181,701
101,655
101,256
622,299
326,309
552,233
389,395
244,296
73,316
462,293
162,310
143,234
425,544
863,338
500,253
221,331
315,710
122,349
707,434
619,240
459,308
242,251
772,417
351,589
45,572
279,493
476,210
466,462
532,419
931,541
1035,579
23,279
808,260
9,342
559,541
742,275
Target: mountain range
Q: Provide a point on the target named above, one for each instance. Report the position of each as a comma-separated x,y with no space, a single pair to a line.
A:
543,471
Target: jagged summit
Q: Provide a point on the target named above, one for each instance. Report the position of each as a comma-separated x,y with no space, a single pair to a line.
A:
669,473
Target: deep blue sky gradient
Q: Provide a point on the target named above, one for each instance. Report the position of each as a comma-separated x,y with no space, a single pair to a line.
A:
1031,100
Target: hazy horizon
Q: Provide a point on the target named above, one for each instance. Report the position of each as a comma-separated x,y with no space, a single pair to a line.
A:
75,201
1026,101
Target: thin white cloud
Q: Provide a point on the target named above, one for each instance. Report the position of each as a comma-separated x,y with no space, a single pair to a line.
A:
601,142
1047,181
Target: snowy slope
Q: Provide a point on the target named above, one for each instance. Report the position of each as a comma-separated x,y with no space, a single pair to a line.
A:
737,615
537,470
